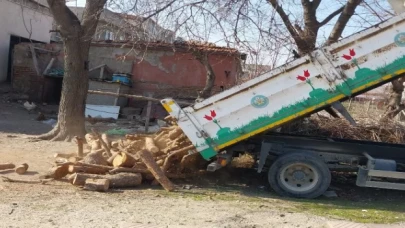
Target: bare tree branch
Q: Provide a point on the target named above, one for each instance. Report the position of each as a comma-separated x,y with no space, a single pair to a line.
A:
344,17
91,15
331,16
285,19
67,21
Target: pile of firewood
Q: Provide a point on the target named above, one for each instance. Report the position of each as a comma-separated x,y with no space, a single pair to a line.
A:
128,162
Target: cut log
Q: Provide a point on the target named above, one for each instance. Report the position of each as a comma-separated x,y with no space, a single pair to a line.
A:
58,172
173,154
100,185
21,169
150,145
103,144
95,145
136,137
173,134
7,166
111,159
116,181
160,162
147,158
79,142
61,155
124,160
115,145
84,169
95,158
106,140
75,159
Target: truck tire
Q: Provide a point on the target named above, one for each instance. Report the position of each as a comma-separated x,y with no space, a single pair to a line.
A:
299,175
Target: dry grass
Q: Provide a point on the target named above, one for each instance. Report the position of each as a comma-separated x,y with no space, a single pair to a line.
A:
243,161
366,129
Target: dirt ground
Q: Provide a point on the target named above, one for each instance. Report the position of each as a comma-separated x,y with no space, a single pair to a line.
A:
217,200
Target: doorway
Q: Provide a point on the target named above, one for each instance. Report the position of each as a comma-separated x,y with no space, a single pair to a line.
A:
14,40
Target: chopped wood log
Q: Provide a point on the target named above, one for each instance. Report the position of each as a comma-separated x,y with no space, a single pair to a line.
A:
150,145
168,159
75,159
84,169
111,159
21,169
61,160
116,181
136,136
103,144
95,145
173,134
95,158
79,142
7,166
58,172
124,160
167,128
106,140
114,145
129,170
159,136
100,185
61,155
43,181
159,175
90,137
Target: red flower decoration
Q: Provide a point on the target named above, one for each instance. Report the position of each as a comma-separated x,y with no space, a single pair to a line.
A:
348,57
306,73
209,118
302,78
352,52
213,114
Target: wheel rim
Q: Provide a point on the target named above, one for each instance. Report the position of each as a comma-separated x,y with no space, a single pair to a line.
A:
299,177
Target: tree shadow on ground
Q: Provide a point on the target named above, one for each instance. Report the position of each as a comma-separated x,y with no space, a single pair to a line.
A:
248,183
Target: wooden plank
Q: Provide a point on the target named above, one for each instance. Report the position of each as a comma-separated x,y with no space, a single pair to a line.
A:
148,111
50,64
131,96
34,59
116,98
101,72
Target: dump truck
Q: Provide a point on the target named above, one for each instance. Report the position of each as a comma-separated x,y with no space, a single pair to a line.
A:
237,119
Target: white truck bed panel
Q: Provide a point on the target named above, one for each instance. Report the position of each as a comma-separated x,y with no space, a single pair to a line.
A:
329,74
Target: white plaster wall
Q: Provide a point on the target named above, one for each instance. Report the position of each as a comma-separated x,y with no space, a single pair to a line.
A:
397,5
12,14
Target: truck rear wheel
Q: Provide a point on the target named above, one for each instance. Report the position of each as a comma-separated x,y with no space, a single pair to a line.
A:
299,175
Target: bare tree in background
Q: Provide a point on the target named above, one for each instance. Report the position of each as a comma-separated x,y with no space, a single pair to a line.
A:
305,37
76,38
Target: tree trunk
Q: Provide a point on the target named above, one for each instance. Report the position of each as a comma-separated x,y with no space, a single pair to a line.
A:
202,57
394,106
75,81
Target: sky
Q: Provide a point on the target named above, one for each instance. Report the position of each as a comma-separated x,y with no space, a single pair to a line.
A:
295,13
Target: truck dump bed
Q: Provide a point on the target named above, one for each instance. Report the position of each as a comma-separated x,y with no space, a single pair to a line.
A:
330,74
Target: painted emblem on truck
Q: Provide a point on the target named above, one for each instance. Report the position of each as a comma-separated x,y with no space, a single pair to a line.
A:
305,78
259,101
400,39
351,56
222,130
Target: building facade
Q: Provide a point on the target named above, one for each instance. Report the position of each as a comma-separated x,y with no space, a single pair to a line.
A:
21,21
